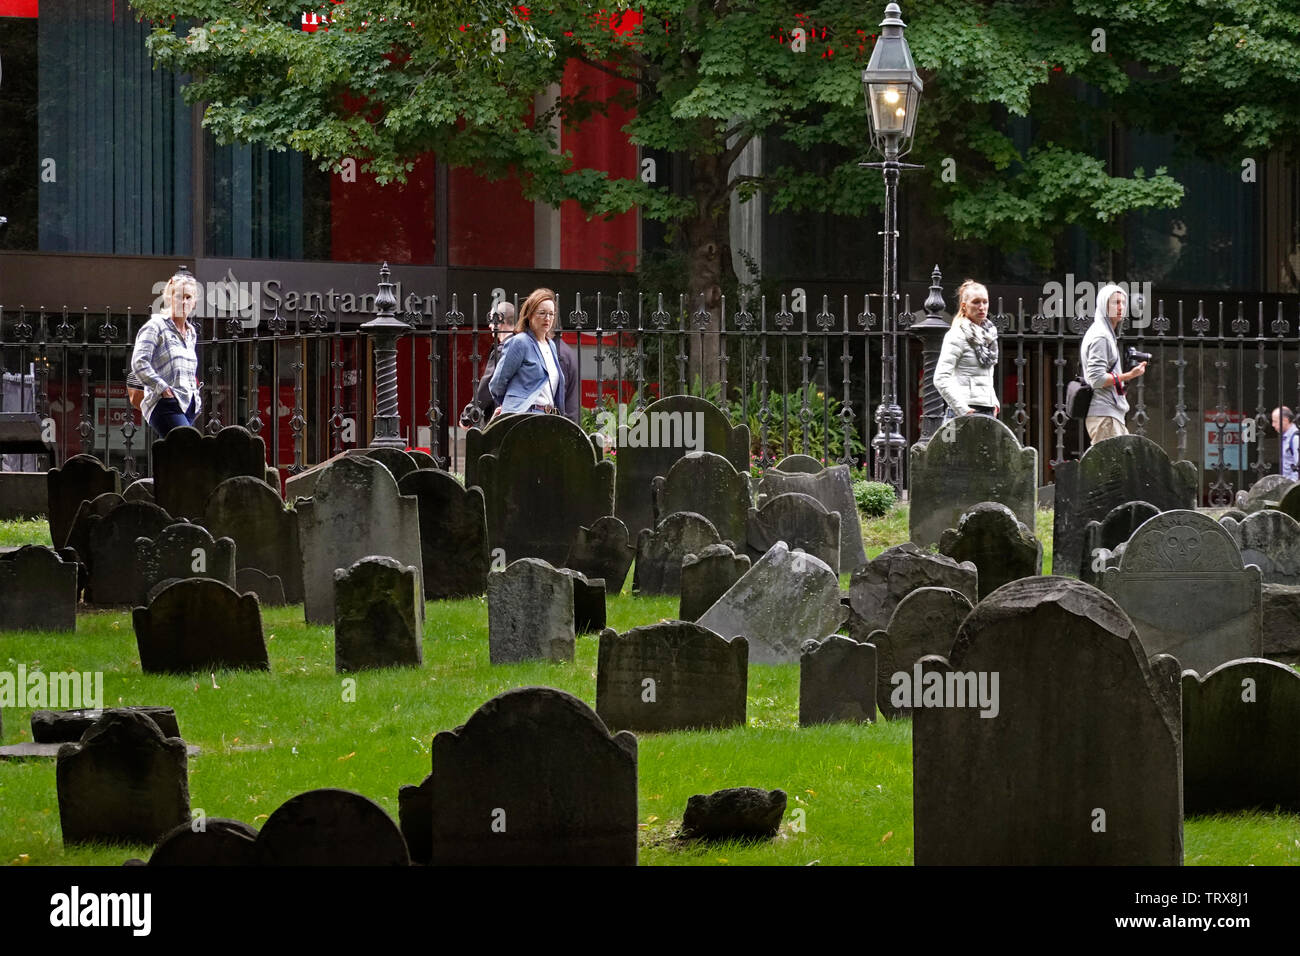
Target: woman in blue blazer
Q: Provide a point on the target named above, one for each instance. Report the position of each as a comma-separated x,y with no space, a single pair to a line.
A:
528,377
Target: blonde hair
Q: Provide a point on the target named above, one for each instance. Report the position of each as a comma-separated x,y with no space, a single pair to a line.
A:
184,277
964,291
530,306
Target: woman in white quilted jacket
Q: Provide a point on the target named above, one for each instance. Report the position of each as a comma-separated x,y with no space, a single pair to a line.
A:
964,373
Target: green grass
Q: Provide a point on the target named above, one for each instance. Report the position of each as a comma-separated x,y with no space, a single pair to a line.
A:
19,531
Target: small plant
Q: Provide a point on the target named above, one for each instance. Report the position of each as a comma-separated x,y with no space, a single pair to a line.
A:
874,498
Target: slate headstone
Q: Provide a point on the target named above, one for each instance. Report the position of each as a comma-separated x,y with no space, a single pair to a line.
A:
708,485
801,522
1109,533
737,813
833,487
188,466
603,551
398,462
330,828
486,441
876,588
799,464
183,551
200,624
837,682
1268,492
250,513
415,818
530,613
1281,623
925,622
218,842
453,534
422,459
1001,548
115,577
377,619
69,726
139,490
588,603
88,512
80,478
268,587
706,577
1270,540
659,553
38,590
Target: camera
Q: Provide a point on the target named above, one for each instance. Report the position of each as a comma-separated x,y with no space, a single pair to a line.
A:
1135,356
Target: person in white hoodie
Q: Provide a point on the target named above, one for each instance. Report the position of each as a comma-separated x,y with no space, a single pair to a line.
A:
1102,368
964,373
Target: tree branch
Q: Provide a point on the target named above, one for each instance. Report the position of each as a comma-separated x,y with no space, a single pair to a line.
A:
733,153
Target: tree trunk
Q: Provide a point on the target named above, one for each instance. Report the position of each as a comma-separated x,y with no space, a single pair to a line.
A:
708,242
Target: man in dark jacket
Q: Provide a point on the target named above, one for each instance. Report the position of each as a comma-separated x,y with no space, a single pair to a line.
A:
572,383
502,323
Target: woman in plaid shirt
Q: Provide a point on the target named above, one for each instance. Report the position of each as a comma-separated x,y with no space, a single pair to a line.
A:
165,360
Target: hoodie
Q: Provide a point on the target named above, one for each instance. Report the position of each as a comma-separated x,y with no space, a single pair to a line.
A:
1100,356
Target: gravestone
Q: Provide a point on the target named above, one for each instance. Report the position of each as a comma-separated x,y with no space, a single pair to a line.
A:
1182,583
1073,756
876,588
398,462
123,783
199,624
183,551
534,778
925,622
1281,623
80,478
1111,472
268,587
588,603
38,590
745,814
648,447
1268,492
1232,514
1001,548
786,598
377,619
250,513
659,553
303,484
1241,738
487,441
330,828
354,512
669,676
970,459
603,551
115,577
453,534
140,490
837,682
188,466
415,818
219,842
708,485
422,459
801,522
1270,540
799,464
706,577
833,487
69,726
530,613
88,512
1109,533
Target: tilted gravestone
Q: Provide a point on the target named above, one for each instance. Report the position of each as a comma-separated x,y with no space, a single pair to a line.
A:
199,624
80,478
250,512
1182,583
530,613
706,577
1046,738
1002,548
673,675
123,783
925,622
541,485
377,619
354,512
588,603
394,459
1270,540
453,534
38,590
219,842
188,466
183,551
1111,472
330,828
837,682
268,587
648,446
786,598
799,464
1109,533
140,490
1241,738
876,588
801,522
970,459
1268,492
659,553
534,778
115,575
708,485
603,551
833,487
88,512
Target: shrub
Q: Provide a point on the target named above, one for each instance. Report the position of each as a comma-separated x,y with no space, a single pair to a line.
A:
874,498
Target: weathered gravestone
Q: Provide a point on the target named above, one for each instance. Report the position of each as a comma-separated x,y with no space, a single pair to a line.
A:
268,587
453,534
1182,583
123,783
673,675
650,442
1270,540
876,588
530,613
69,726
603,551
1232,514
837,682
188,466
422,459
183,551
706,577
115,577
140,490
970,459
398,462
38,590
736,813
534,778
659,553
786,598
1241,738
833,487
708,485
588,603
218,842
799,464
88,513
925,622
354,512
80,478
1268,492
1047,738
1281,623
330,828
250,513
377,620
1109,533
1111,472
801,522
487,441
199,624
1001,548
541,485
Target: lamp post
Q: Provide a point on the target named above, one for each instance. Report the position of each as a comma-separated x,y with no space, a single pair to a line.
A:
893,91
384,330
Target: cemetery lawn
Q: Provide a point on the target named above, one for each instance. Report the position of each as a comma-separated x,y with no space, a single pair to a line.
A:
20,531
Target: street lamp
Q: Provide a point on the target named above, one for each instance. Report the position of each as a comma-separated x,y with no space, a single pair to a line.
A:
893,91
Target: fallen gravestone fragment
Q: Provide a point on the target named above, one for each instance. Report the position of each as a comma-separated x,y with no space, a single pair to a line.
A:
69,726
738,813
